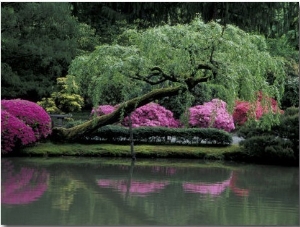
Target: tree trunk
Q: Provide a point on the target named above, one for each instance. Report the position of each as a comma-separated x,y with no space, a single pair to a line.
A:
71,134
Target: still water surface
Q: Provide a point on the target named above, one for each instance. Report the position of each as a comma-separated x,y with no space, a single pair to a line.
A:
98,191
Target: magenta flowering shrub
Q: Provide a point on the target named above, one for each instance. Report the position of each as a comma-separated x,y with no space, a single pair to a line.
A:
22,122
31,114
103,109
14,131
211,114
152,114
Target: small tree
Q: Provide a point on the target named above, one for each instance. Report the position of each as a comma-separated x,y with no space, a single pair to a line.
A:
64,100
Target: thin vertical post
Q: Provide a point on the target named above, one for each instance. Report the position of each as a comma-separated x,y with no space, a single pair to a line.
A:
131,138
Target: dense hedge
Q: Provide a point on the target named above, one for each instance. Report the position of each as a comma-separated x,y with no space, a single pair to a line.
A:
161,135
270,149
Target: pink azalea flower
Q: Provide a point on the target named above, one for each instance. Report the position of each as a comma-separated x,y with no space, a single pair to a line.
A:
152,115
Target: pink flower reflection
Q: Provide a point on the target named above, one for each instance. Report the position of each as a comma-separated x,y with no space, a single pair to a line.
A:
169,171
136,188
24,187
205,188
217,188
238,191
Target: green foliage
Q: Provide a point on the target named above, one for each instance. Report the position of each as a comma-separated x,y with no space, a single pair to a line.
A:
162,135
291,92
282,47
65,100
233,63
289,128
87,39
38,42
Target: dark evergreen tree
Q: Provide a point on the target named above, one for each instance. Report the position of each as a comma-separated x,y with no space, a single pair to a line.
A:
38,42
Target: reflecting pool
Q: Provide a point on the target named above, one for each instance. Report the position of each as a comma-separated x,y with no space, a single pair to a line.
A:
107,191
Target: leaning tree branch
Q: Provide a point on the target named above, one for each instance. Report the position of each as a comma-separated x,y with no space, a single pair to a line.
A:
72,134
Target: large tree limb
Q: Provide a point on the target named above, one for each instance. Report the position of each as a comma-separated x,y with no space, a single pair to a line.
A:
156,76
71,134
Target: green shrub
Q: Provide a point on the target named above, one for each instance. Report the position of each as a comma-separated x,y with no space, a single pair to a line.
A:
63,100
269,149
288,130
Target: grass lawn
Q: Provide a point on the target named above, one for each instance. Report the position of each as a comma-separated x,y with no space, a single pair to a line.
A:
142,151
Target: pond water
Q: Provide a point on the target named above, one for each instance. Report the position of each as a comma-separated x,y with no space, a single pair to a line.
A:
106,191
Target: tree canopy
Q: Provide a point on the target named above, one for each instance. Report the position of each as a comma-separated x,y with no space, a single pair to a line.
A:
224,56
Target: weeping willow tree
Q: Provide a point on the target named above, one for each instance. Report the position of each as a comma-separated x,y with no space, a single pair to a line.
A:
171,60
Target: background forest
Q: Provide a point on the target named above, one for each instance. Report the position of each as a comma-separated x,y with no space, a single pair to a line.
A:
40,40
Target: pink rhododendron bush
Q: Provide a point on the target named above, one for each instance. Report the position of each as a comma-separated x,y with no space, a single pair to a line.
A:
103,109
22,122
244,110
14,130
152,114
211,114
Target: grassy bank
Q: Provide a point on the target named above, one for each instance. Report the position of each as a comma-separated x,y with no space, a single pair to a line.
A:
142,151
